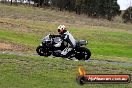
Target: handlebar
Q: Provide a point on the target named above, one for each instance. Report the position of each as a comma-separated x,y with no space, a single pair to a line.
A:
53,36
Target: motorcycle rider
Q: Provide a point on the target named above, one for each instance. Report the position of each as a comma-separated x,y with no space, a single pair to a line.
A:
66,36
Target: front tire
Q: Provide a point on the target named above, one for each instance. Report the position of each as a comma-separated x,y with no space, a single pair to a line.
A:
82,53
42,52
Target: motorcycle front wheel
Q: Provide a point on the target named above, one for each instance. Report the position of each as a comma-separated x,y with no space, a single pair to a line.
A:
82,53
42,52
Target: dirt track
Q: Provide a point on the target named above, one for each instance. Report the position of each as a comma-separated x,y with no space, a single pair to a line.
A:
7,46
4,46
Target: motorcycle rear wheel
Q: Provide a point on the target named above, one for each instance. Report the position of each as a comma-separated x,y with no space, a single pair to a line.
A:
82,53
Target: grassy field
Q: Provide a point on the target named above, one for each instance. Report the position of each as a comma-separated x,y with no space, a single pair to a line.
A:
24,27
39,72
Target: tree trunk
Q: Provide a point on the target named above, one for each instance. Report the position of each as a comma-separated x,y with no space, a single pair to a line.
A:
29,2
11,2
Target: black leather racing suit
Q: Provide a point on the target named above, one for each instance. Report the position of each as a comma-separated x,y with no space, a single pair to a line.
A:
67,37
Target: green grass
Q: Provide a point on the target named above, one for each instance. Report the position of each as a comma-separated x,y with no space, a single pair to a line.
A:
20,38
107,43
39,72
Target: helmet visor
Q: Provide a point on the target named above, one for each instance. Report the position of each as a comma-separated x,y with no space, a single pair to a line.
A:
59,30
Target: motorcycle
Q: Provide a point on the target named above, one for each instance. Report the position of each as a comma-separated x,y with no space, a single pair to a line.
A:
50,46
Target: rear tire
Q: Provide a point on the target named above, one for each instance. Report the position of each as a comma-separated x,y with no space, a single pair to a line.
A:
82,53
